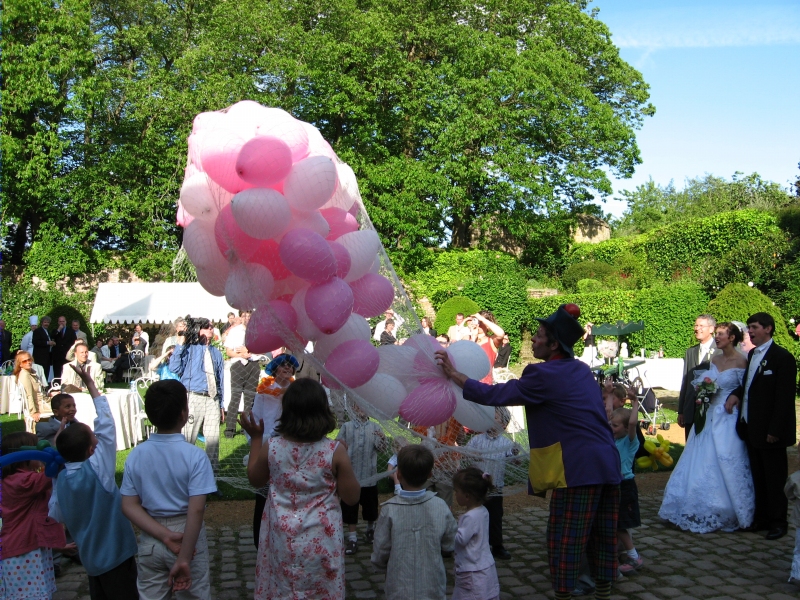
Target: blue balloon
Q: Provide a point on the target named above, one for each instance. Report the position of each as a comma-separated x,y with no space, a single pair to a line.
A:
49,456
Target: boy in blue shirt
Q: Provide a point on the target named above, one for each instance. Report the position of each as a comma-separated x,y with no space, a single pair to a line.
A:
624,423
86,499
164,492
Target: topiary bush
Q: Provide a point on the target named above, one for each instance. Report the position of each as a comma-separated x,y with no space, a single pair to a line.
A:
590,269
590,286
446,315
737,301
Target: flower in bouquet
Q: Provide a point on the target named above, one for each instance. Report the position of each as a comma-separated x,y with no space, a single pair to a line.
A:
705,391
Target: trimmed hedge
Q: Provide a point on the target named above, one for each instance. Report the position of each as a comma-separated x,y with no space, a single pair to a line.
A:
446,316
508,301
738,301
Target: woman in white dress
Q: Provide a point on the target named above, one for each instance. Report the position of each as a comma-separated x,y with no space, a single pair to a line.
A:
711,487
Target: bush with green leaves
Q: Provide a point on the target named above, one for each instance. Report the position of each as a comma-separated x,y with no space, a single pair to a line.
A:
737,301
446,315
590,286
589,269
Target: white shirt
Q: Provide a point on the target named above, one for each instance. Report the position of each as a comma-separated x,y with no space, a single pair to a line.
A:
755,363
494,451
472,551
704,351
184,471
235,339
104,459
381,327
458,332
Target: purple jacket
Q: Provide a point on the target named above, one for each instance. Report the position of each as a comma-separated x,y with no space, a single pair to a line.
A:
570,439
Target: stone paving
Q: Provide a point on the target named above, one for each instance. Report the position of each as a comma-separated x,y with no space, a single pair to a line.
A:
678,565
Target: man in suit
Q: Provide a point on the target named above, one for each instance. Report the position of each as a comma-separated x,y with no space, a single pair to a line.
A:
702,352
43,347
5,342
70,377
64,338
767,422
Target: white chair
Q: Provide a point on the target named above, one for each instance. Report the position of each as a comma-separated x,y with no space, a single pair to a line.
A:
136,365
7,367
141,422
15,400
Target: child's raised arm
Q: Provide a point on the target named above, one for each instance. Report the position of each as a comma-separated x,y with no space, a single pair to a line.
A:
258,465
633,422
347,485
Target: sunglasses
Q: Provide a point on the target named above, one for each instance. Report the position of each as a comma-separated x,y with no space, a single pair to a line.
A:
27,360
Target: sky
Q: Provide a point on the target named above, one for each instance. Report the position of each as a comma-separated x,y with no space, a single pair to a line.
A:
725,82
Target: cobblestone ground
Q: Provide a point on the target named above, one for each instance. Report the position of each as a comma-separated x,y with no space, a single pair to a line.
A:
678,565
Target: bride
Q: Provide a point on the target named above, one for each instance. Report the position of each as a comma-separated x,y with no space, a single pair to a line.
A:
711,487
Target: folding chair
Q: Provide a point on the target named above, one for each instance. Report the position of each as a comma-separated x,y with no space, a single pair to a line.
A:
135,365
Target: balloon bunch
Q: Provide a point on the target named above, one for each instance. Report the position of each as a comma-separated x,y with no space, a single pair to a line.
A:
270,222
659,453
42,452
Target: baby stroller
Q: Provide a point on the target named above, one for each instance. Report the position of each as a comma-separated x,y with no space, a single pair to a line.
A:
650,409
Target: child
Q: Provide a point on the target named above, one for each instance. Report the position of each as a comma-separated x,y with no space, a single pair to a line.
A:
300,543
414,529
495,448
476,577
86,499
167,503
28,535
624,423
792,491
64,410
363,439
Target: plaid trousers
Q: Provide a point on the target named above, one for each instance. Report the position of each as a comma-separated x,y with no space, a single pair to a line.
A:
582,519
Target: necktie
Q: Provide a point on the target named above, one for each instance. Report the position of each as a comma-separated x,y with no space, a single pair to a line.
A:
208,367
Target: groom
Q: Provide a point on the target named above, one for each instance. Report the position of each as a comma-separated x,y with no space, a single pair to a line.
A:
767,422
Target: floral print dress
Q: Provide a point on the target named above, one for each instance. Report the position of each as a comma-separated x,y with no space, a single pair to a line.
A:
301,544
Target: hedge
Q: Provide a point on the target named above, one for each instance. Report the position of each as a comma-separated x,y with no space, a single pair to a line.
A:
446,316
507,299
737,301
669,313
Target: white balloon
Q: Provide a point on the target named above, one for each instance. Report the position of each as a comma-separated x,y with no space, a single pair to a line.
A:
347,191
363,246
356,328
248,286
305,327
310,183
376,265
397,361
209,120
201,246
213,279
288,286
476,417
385,393
317,146
470,359
312,220
288,129
261,213
202,198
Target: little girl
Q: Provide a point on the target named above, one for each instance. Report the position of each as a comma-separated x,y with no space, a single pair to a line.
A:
475,574
300,551
28,534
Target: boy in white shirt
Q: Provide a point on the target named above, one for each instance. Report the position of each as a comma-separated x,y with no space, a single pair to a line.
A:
164,492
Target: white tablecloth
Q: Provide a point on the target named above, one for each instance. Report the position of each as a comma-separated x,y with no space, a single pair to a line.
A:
664,373
6,385
124,407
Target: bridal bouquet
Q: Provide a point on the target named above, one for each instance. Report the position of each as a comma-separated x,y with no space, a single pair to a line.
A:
706,386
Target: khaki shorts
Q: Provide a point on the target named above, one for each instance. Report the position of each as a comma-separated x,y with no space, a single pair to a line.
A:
156,560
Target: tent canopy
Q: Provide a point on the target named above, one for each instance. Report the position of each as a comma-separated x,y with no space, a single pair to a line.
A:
157,303
619,328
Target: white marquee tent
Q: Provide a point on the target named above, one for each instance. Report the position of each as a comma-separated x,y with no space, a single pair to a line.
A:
157,303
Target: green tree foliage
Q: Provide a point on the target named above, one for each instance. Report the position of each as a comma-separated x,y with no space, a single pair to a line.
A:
587,269
446,316
738,301
651,206
447,112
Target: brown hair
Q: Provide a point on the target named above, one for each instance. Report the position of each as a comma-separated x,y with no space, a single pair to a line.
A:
74,442
12,442
21,355
472,482
305,413
415,463
623,414
733,331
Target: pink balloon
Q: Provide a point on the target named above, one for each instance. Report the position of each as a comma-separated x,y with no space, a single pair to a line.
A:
213,279
340,221
288,287
288,129
356,328
264,161
267,254
363,246
342,259
353,362
261,213
270,327
311,183
317,146
372,295
218,153
184,218
198,241
231,239
306,254
208,120
248,286
347,191
329,305
354,210
431,403
306,329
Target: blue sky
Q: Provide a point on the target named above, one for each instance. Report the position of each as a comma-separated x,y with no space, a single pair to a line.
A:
725,80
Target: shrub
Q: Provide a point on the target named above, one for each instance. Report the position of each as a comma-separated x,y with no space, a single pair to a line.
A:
508,301
590,269
789,220
446,316
590,286
738,301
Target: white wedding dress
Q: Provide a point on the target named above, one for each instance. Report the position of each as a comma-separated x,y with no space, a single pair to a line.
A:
711,487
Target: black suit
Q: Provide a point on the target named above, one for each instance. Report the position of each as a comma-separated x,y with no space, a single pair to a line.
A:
5,345
64,340
686,403
41,349
770,411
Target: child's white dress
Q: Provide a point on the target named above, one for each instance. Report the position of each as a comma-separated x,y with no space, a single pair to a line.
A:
476,576
301,545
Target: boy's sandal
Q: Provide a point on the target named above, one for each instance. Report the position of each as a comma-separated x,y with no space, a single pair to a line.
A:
350,547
